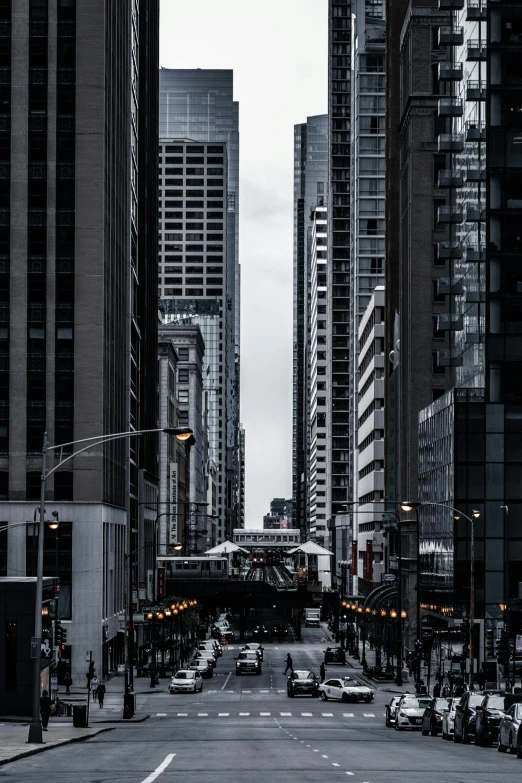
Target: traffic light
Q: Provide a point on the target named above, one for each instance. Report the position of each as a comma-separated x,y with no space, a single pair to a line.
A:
58,631
502,649
64,636
490,643
426,641
418,649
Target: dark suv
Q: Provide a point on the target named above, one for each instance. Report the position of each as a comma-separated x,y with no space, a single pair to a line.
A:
466,715
335,655
248,661
489,715
302,681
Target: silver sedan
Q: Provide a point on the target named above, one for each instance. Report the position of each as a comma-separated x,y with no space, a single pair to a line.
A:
509,728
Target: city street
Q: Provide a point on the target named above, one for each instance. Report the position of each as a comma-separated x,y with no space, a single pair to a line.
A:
247,728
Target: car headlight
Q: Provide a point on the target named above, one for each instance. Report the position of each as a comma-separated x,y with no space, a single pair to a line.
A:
402,715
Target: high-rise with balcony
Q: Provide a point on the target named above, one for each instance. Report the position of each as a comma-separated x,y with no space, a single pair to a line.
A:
199,253
310,187
78,260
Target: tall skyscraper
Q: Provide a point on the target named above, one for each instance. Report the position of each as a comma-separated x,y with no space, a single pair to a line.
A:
199,254
310,186
78,255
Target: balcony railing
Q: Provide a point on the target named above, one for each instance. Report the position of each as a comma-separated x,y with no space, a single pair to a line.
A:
475,91
451,142
447,215
477,51
445,359
446,323
448,72
451,5
451,35
474,253
446,287
446,250
450,179
476,10
450,107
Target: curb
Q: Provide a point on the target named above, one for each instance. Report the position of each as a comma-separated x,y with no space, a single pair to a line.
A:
124,720
45,746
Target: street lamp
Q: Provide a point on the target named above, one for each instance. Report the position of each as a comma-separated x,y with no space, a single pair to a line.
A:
475,514
182,433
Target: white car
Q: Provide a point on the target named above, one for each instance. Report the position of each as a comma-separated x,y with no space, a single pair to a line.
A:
410,712
186,682
448,719
345,690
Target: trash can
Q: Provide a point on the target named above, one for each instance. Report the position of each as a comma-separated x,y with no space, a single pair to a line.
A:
80,716
129,705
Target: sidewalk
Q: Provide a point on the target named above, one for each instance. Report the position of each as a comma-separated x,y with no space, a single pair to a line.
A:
13,739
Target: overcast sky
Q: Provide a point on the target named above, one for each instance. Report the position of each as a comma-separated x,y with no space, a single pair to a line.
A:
278,51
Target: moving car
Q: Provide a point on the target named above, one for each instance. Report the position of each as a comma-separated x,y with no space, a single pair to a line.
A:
202,666
433,716
186,681
489,714
255,647
217,632
335,655
212,644
312,618
509,729
209,652
410,711
345,690
391,709
302,681
260,632
448,719
248,662
208,655
279,631
466,716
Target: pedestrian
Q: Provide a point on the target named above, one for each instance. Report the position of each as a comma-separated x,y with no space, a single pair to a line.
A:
289,663
94,687
322,671
446,691
45,709
436,690
100,691
152,677
440,677
67,681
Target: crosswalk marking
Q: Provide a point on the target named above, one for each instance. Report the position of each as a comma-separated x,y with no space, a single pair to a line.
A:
368,714
265,714
286,714
244,714
223,714
202,714
307,715
182,714
327,714
348,715
335,765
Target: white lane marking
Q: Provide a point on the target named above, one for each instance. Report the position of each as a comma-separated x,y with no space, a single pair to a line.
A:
161,715
347,714
349,773
307,715
182,714
247,691
335,765
327,714
265,714
316,751
223,714
225,683
308,746
267,691
202,714
286,714
368,714
323,755
162,767
244,714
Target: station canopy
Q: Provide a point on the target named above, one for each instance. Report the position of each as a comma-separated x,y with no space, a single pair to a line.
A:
226,548
310,548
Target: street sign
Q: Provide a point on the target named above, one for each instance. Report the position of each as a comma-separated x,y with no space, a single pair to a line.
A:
518,644
54,683
388,577
35,647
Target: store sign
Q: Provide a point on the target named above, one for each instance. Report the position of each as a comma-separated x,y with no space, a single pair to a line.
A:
142,592
162,582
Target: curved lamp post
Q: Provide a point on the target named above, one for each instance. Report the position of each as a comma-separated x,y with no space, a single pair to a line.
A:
413,506
182,433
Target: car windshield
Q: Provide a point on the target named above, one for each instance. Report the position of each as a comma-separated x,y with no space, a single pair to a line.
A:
442,704
414,704
198,663
184,676
247,656
348,683
253,646
495,703
303,675
475,698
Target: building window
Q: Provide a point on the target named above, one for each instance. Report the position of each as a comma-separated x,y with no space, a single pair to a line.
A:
10,680
63,485
183,376
32,485
183,395
183,419
183,354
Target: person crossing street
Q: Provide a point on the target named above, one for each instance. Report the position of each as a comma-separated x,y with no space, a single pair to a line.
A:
289,663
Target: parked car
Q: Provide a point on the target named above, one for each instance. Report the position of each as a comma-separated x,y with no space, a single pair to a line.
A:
279,631
509,729
345,690
433,716
217,632
391,709
335,655
448,719
466,716
212,644
202,666
410,711
248,662
209,652
260,632
302,682
186,681
255,647
489,714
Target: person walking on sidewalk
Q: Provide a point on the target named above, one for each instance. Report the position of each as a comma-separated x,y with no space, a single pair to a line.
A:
45,709
100,691
322,672
67,681
289,664
94,687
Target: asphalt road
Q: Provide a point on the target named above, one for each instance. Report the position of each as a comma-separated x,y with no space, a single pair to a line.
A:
246,728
